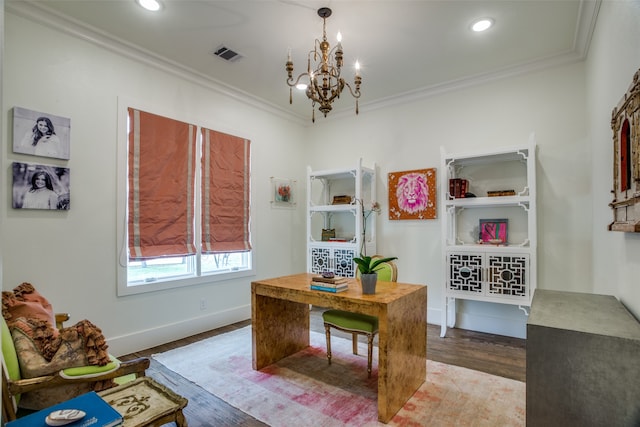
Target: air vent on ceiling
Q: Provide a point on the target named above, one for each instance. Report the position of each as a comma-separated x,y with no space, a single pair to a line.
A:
226,54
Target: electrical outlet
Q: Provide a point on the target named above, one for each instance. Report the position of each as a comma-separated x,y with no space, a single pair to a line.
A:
203,304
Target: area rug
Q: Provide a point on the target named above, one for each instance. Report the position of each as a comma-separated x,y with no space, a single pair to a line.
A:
303,389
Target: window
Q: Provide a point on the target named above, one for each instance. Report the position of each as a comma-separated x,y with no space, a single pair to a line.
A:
183,203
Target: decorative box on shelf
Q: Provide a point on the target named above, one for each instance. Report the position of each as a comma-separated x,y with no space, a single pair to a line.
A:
500,193
342,200
328,234
458,187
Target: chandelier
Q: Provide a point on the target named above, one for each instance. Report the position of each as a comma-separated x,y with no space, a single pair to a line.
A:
323,72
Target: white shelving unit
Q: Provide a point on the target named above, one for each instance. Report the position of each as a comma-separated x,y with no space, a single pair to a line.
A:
359,183
481,271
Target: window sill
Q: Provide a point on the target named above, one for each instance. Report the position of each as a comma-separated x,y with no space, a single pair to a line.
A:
125,289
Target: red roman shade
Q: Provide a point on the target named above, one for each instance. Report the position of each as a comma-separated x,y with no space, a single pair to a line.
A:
161,178
225,192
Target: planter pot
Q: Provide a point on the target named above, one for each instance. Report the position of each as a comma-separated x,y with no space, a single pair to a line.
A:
368,282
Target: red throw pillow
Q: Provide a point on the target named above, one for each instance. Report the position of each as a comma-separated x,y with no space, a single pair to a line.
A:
26,302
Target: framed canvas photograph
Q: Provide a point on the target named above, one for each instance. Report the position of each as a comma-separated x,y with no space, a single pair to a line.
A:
38,186
493,231
41,134
283,192
412,194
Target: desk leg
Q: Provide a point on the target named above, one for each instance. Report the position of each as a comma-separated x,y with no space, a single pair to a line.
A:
402,362
279,328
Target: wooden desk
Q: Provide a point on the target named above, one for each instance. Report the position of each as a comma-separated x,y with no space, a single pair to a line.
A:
280,327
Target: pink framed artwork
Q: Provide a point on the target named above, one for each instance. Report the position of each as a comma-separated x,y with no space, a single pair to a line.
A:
493,231
412,194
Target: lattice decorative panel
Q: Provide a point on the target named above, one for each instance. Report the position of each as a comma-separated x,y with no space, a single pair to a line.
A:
320,260
340,261
465,272
344,265
507,275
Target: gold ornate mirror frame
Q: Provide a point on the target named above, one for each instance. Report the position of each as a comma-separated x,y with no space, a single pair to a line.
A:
625,123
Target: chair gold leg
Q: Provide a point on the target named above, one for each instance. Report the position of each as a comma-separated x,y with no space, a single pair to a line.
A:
354,341
370,353
327,332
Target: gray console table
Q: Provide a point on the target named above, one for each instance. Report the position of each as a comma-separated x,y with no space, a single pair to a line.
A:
583,361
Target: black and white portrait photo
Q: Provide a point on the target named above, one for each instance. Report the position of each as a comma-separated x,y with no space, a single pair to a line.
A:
41,134
40,187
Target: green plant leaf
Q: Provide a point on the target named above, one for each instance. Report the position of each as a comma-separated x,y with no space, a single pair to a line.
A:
375,265
366,266
364,263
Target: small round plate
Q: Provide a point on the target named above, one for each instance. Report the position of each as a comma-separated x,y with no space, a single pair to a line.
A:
64,416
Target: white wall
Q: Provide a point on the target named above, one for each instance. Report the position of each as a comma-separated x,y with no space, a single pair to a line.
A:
71,256
613,59
550,103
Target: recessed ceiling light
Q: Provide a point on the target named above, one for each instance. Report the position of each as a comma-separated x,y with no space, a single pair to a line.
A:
482,24
152,5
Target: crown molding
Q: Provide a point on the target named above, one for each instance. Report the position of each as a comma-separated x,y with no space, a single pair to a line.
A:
586,21
587,17
50,18
565,58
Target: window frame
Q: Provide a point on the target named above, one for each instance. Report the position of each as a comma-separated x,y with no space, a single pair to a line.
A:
123,287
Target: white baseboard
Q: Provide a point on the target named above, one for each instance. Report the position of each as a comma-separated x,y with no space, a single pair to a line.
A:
509,327
434,316
140,340
491,318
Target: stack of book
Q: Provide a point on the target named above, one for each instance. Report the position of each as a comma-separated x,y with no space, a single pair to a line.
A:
95,412
499,193
458,187
329,284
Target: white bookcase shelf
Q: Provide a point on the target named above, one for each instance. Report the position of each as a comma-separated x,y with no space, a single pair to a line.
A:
358,183
494,272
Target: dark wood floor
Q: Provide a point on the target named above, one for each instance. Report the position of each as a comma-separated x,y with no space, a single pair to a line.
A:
494,354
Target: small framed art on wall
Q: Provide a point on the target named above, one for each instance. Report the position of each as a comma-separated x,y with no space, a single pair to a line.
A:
412,194
37,186
283,192
41,134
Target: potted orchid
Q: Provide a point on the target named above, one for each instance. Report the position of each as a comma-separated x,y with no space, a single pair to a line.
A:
368,268
375,207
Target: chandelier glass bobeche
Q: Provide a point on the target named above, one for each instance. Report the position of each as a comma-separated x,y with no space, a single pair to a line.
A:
324,81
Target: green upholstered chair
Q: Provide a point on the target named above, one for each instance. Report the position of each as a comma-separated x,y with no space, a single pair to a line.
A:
13,385
356,323
387,271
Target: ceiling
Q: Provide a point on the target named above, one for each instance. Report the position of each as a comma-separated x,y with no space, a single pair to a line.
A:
407,48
